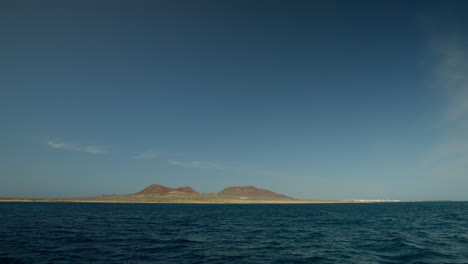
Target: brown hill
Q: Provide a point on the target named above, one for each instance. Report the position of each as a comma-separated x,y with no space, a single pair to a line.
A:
159,189
186,189
251,191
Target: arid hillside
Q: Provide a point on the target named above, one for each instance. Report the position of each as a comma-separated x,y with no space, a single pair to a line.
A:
251,191
161,190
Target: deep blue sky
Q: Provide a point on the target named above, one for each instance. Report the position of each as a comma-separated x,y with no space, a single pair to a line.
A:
313,99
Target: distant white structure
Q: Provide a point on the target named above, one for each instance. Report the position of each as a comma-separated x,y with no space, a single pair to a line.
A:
374,201
243,198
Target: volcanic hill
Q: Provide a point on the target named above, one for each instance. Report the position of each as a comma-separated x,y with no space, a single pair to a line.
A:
251,191
160,189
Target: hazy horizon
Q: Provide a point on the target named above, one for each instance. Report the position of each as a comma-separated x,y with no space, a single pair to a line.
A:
327,100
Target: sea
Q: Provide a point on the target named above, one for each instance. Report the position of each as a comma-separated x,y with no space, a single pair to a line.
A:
425,232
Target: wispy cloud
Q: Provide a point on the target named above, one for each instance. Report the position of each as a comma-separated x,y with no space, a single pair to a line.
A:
81,148
451,73
196,164
150,154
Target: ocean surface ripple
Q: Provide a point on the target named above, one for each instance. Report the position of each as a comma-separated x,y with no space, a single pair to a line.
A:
411,233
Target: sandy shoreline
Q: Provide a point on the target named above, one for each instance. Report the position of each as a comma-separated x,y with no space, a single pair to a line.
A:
180,201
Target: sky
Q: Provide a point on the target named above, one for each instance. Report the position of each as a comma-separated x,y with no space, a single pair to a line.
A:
312,99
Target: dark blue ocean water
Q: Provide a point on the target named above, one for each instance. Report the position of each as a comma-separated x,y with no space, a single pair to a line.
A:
176,233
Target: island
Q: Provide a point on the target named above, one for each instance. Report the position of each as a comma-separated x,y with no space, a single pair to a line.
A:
156,193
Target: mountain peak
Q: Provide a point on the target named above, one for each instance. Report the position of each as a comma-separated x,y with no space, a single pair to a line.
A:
251,191
160,189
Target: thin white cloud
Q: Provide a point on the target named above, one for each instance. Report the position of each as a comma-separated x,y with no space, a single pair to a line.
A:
58,145
196,164
451,73
81,148
150,154
452,76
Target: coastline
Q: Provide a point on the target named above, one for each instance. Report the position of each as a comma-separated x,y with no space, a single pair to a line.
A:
183,201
